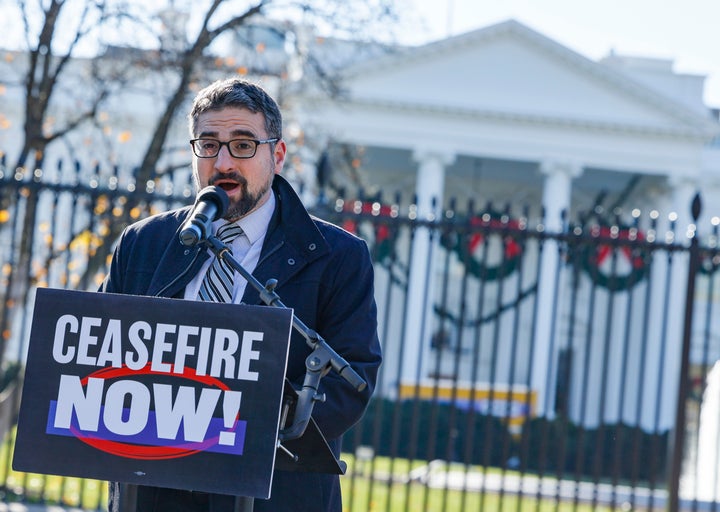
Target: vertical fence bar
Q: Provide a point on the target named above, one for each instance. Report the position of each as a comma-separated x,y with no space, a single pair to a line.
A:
707,419
15,221
524,444
508,451
678,439
381,405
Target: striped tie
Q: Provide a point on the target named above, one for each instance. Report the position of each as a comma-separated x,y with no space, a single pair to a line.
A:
217,286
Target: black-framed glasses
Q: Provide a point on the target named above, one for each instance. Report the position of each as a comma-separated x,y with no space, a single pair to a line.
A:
238,148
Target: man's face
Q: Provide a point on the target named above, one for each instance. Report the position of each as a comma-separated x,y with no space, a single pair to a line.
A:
247,181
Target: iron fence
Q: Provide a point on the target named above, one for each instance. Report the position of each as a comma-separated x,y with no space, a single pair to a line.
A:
521,365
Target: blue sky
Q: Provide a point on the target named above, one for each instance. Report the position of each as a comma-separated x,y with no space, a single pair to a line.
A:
684,31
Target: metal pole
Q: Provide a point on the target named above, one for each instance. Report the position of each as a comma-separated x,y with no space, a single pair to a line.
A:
678,438
244,504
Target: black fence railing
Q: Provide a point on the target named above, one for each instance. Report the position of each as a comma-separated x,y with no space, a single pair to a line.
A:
521,366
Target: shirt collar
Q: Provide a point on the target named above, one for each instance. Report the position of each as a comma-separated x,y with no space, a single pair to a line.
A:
254,224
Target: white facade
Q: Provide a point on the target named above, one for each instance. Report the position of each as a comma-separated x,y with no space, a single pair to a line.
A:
506,114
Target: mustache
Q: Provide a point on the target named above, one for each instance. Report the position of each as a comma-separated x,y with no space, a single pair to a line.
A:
233,176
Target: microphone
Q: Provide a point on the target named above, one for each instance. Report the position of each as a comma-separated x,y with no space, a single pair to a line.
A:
210,204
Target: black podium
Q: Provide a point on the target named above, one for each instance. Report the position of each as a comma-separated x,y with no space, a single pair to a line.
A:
162,392
310,453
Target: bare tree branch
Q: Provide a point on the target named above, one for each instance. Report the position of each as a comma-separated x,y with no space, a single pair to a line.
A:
49,83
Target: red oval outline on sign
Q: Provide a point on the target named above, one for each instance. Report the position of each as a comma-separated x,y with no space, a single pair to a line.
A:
141,452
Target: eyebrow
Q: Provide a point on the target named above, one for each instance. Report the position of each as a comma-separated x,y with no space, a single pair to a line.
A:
234,133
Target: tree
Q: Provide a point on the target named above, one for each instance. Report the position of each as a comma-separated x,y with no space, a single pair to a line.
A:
61,32
72,49
52,35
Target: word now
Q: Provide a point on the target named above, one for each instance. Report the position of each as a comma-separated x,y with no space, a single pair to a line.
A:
126,410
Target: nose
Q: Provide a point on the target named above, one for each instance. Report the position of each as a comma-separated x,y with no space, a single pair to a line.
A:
224,161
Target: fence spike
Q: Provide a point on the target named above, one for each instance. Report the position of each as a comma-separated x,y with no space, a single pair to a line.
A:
696,207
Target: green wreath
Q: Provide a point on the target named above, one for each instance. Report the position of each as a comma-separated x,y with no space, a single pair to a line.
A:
384,235
480,227
709,263
593,255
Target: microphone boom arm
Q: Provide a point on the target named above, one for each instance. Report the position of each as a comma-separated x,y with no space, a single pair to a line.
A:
320,361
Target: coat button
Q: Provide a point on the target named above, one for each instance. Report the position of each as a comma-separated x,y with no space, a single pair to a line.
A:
291,261
187,251
312,247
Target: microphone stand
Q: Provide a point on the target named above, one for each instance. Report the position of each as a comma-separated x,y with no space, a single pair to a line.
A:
321,360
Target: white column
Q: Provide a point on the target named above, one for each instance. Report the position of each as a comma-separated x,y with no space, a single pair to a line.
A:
557,191
664,375
418,322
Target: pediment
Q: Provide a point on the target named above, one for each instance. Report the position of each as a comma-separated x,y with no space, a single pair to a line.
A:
512,71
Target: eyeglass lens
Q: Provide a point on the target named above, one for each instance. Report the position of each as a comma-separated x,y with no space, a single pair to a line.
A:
239,148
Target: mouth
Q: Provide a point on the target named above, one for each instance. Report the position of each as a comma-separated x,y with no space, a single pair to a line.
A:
228,186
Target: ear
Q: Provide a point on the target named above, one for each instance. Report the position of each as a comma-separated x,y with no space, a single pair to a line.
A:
279,155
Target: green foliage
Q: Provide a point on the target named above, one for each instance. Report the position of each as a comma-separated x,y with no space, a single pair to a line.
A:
609,451
427,430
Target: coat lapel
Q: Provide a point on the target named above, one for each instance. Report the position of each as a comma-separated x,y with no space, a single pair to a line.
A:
176,269
292,242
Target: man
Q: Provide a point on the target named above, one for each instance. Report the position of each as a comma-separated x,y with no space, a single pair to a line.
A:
323,272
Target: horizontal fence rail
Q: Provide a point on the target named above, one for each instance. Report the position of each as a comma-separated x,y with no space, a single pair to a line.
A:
522,367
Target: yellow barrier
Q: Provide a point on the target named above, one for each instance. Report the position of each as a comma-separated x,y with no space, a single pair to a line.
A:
516,403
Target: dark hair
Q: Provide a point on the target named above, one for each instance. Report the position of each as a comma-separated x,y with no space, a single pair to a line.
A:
236,92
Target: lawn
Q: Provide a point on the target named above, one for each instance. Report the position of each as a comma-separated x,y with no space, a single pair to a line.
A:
378,484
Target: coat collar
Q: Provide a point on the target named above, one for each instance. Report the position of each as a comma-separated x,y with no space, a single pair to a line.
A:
293,240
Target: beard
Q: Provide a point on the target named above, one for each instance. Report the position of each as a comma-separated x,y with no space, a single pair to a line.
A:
248,200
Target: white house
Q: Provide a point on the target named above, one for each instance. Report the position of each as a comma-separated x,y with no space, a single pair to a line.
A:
504,113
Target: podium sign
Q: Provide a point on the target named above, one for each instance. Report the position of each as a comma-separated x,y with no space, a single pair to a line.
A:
153,391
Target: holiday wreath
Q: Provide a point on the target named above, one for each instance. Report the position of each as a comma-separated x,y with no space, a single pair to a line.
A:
381,236
612,250
474,254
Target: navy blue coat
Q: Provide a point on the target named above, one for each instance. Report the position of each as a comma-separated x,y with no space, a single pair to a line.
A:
324,273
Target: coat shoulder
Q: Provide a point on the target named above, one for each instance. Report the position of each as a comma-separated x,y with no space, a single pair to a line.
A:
160,221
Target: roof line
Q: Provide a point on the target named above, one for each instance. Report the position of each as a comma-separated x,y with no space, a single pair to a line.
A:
622,82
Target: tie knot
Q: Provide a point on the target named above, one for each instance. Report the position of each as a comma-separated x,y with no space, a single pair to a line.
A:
229,232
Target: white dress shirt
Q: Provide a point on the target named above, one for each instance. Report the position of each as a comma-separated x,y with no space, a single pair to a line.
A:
245,249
